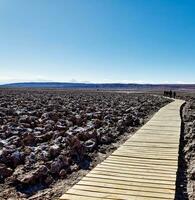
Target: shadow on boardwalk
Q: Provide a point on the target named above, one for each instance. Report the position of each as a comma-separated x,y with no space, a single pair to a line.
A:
181,180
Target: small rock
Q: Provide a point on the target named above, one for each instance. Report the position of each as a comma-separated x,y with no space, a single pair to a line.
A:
56,166
24,119
62,173
33,176
48,180
29,139
5,171
90,144
54,150
17,158
106,139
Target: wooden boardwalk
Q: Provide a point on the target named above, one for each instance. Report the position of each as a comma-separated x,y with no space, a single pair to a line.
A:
143,168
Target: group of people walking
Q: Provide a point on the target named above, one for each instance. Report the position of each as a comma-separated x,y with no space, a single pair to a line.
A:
171,94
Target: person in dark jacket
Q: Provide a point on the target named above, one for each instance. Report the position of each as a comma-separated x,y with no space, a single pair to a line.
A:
170,94
174,95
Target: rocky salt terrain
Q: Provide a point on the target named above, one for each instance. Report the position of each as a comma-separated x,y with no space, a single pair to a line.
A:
50,138
189,148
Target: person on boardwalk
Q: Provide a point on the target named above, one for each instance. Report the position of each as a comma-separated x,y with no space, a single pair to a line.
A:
170,93
174,94
166,93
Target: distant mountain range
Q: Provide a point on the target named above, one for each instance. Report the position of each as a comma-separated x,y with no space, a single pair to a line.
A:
129,86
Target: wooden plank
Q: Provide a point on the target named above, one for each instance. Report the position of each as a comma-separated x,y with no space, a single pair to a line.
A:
131,172
146,148
84,197
115,185
149,148
129,183
155,133
147,156
169,123
156,142
129,158
123,192
152,146
140,164
112,195
145,138
135,169
137,179
155,154
79,197
131,175
165,137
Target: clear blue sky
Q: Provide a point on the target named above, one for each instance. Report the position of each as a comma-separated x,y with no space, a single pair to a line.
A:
149,41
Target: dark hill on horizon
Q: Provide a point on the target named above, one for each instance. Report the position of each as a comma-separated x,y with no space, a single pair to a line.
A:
123,86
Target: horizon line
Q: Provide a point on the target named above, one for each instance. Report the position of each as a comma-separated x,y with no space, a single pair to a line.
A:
97,83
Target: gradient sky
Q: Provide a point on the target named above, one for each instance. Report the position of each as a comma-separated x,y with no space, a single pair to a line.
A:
150,41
